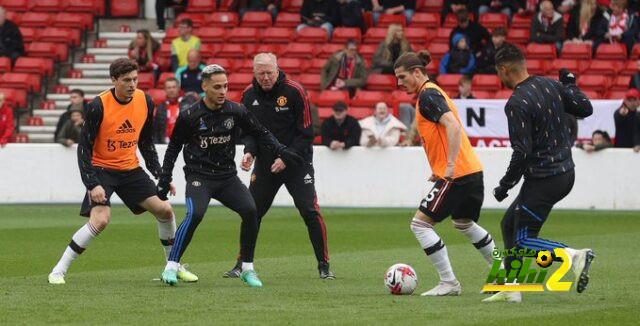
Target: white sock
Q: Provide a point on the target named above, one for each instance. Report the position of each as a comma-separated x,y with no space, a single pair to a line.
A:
167,234
478,237
79,242
247,266
429,240
172,265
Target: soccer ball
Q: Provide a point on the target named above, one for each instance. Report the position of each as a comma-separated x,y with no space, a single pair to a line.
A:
401,279
544,258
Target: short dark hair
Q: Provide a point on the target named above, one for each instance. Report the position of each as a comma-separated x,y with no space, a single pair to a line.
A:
412,60
604,134
186,21
171,79
464,79
122,66
211,70
77,91
499,31
462,15
509,53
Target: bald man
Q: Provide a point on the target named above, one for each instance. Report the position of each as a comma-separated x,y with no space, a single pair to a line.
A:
189,75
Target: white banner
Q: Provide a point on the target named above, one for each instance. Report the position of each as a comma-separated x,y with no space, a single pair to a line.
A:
486,123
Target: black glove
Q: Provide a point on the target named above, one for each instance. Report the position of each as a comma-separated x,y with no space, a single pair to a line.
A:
567,77
290,156
162,189
500,193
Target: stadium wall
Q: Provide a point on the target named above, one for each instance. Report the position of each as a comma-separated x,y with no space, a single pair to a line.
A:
360,177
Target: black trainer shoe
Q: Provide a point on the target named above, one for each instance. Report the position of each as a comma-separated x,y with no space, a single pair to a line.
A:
325,272
235,272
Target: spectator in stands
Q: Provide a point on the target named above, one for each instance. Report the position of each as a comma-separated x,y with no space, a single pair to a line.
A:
318,13
623,25
70,131
460,59
393,7
486,63
381,129
503,6
453,6
10,38
144,50
161,6
475,32
243,6
341,131
76,102
7,124
464,88
394,45
350,14
587,24
547,26
345,70
599,140
627,121
189,75
181,45
167,112
635,79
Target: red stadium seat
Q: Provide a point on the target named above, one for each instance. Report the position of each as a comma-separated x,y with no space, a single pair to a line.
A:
235,96
35,19
519,21
243,35
442,35
316,66
82,6
429,5
400,96
329,98
273,48
483,95
69,36
596,83
370,98
612,52
209,34
416,35
300,50
205,6
635,52
163,77
449,82
28,82
198,19
433,68
537,67
145,80
15,5
228,64
15,97
310,81
209,50
312,35
239,81
287,19
277,35
293,6
244,66
375,35
158,95
225,5
56,51
574,66
380,82
260,19
493,20
29,34
125,8
343,34
629,68
503,94
368,50
46,5
232,51
324,113
592,95
429,20
520,36
451,21
73,20
22,137
292,65
580,51
360,112
327,50
615,95
34,65
35,121
438,50
387,19
222,19
605,67
486,82
620,83
5,64
541,51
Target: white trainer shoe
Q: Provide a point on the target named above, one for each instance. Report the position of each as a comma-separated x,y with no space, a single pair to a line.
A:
56,278
505,296
444,288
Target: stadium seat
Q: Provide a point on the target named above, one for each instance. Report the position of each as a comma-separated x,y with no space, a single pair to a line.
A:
15,5
503,94
287,19
442,35
451,21
273,48
239,81
82,21
416,35
34,65
592,95
360,112
125,8
493,20
158,95
312,35
387,19
520,36
58,52
635,52
541,51
5,64
232,51
225,5
519,21
277,35
15,97
449,82
48,105
222,19
300,50
615,95
235,96
429,5
311,82
401,96
227,63
343,34
198,19
243,35
260,19
165,50
292,65
575,66
292,6
36,19
433,68
380,82
316,66
329,98
22,137
438,50
146,80
482,82
209,50
209,34
537,67
163,77
13,16
620,83
35,121
370,98
605,67
69,36
483,95
244,66
368,50
205,6
324,113
579,51
29,82
598,83
46,5
611,52
425,20
83,6
375,35
629,68
327,50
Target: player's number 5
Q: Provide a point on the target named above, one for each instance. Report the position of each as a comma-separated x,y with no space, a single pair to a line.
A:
432,194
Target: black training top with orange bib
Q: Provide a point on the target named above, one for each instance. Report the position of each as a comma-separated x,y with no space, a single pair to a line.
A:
432,103
112,133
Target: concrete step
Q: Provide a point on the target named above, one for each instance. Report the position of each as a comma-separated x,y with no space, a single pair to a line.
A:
118,43
40,137
127,36
65,97
38,129
50,121
50,113
88,88
94,66
108,58
96,73
85,81
119,51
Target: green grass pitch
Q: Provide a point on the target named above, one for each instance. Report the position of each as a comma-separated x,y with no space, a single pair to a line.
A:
111,283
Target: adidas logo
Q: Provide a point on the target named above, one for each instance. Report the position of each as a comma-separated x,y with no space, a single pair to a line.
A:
255,103
125,128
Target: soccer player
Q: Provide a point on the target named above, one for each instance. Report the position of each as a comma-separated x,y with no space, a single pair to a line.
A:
457,172
542,153
281,104
117,124
207,130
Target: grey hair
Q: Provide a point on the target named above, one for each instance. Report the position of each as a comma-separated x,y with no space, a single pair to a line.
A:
210,70
265,58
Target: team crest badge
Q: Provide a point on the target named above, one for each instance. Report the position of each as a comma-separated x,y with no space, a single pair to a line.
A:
282,101
228,123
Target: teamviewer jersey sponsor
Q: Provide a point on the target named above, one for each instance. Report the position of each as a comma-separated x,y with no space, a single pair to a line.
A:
209,137
112,133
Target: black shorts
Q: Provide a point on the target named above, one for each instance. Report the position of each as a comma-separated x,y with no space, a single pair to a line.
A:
460,198
133,187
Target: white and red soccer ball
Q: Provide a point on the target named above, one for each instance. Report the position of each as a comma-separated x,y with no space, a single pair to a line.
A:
401,279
